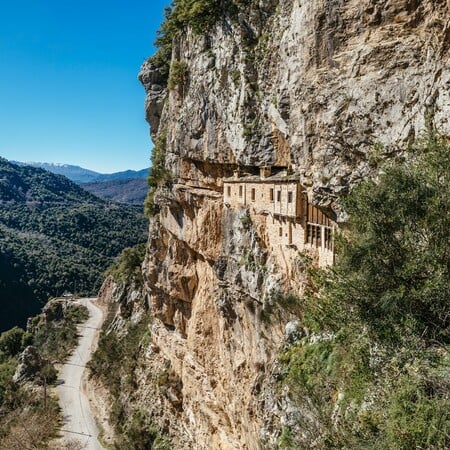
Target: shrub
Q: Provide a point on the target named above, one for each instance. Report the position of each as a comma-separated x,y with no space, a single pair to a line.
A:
246,221
11,342
56,340
158,174
199,15
29,418
129,264
115,363
394,267
373,373
177,75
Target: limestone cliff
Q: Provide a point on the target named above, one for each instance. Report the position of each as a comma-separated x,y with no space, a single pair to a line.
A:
318,86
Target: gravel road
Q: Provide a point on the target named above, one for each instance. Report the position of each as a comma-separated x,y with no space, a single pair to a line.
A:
79,423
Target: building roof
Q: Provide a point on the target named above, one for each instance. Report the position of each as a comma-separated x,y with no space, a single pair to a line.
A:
248,178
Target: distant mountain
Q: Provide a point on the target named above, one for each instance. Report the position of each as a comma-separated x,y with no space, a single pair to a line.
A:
126,175
55,237
74,173
132,191
81,175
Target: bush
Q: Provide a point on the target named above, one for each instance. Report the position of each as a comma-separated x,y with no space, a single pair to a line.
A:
177,75
374,374
417,418
56,340
115,364
394,267
129,264
158,174
199,15
11,342
29,418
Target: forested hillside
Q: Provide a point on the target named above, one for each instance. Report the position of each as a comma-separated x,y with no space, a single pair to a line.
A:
55,237
133,190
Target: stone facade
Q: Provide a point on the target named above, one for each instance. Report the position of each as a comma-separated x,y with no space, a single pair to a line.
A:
279,195
292,222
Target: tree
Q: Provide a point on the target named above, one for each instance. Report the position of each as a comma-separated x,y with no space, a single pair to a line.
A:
11,342
376,373
393,265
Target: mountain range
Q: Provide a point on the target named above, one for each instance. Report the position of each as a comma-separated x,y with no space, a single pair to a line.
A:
81,175
128,186
132,191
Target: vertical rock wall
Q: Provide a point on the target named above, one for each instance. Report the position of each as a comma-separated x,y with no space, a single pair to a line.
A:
324,86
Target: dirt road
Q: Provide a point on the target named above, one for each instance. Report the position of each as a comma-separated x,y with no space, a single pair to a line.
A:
79,423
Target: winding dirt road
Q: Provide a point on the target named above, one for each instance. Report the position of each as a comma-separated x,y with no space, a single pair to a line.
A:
79,422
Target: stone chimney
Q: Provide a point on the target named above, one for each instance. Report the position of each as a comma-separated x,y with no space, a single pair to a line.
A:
264,172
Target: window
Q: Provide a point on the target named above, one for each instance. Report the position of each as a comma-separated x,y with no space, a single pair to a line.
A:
240,191
314,235
229,191
289,197
281,231
253,194
271,195
328,238
278,196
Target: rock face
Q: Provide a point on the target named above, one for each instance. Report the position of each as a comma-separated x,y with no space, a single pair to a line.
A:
30,363
325,87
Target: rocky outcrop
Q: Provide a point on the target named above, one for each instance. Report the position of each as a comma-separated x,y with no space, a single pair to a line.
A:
125,302
326,87
30,365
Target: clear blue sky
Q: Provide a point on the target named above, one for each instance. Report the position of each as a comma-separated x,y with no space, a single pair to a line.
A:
68,81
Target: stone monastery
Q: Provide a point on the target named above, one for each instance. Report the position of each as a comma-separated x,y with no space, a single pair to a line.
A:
294,223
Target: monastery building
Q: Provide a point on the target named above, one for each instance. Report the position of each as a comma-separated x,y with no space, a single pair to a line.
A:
293,222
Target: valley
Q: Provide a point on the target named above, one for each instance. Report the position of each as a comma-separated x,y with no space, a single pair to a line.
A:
128,186
54,238
132,190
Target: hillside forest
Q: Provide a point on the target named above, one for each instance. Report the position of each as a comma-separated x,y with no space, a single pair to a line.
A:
55,238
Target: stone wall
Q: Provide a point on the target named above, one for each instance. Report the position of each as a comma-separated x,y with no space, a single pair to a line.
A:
267,195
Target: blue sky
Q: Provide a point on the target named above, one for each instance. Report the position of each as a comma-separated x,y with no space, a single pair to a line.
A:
68,81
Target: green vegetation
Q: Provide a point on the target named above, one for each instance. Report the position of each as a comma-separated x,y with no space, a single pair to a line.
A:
376,375
29,417
131,191
128,266
115,363
249,128
177,75
115,360
12,342
56,339
236,77
55,237
199,15
394,265
158,174
246,220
